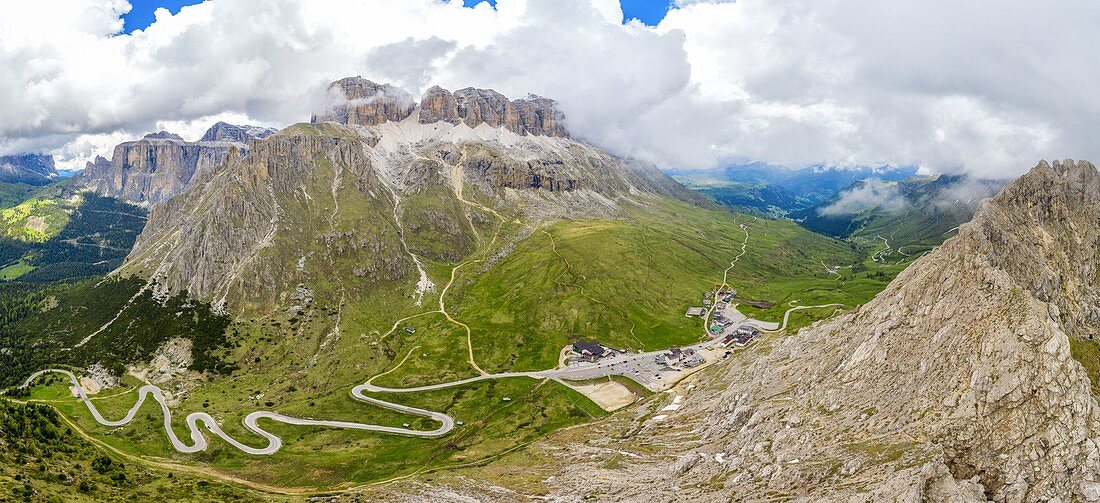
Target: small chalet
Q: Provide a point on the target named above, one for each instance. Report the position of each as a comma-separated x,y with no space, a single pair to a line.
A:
748,330
589,349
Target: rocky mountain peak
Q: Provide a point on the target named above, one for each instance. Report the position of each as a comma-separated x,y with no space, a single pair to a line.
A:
439,105
162,135
532,115
1043,231
358,101
223,131
1046,181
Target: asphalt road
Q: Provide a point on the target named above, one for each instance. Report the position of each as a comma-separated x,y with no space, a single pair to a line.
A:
274,443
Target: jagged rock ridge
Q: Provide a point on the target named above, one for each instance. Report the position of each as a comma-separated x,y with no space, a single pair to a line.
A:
357,101
34,169
162,135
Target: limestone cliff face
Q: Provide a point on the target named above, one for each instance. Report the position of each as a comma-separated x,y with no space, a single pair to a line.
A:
532,115
957,383
34,169
439,105
357,101
155,168
485,106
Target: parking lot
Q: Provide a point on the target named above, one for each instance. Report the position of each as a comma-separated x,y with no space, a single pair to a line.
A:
640,367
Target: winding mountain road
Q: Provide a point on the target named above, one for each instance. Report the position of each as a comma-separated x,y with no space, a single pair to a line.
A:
274,443
787,314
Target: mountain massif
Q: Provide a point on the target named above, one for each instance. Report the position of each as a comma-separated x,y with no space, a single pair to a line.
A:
373,188
32,169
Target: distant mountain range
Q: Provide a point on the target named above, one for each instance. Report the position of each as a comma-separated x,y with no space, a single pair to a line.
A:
32,169
778,191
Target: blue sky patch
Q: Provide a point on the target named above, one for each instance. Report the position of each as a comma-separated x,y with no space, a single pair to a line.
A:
649,12
141,12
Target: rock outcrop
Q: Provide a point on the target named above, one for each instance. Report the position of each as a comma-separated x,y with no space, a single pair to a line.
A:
538,116
222,132
34,169
163,135
155,168
439,105
357,101
532,115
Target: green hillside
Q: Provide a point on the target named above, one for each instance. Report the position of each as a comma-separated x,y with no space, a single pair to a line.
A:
12,194
49,239
34,220
628,282
625,282
34,213
50,462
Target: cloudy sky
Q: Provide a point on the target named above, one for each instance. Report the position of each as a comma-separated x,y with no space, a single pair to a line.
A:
984,87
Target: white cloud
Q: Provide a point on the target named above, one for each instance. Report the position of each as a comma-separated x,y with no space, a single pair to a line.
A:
868,195
950,86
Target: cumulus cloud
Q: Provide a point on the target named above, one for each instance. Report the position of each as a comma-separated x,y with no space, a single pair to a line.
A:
951,87
870,194
966,192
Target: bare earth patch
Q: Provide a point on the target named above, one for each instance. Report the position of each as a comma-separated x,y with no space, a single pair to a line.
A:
37,224
610,395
